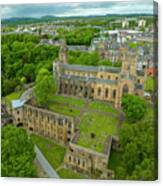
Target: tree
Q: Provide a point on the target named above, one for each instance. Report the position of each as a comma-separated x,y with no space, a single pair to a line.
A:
134,107
17,153
23,57
44,87
145,171
138,155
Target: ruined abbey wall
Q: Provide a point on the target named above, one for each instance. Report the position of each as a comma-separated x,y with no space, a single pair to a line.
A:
49,124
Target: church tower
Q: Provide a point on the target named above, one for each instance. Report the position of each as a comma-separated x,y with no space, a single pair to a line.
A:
127,76
63,52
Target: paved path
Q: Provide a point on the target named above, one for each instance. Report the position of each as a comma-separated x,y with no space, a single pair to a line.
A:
26,95
45,164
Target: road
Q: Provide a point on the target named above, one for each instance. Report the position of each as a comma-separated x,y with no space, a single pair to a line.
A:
45,164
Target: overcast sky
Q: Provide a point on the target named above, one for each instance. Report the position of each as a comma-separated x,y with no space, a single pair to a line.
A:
75,9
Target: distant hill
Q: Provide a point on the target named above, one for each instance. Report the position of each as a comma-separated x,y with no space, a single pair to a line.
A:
30,20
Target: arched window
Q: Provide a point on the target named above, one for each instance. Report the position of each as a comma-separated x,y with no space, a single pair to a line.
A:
106,92
99,91
125,89
114,94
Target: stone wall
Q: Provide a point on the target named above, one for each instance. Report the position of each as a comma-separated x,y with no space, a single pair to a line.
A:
49,124
89,161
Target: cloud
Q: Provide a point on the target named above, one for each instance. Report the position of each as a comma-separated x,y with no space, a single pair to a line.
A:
75,9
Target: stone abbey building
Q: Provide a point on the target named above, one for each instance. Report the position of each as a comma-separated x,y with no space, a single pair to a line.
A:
89,82
101,82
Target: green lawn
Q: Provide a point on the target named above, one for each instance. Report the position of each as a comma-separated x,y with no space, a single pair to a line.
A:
66,105
70,174
97,121
65,110
68,100
98,125
102,106
53,152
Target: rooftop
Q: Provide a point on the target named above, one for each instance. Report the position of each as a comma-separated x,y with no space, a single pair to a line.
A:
91,68
89,79
17,103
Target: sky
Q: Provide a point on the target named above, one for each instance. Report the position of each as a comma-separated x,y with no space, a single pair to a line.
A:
75,9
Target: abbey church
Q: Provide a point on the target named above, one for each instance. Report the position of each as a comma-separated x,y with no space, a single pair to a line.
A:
99,82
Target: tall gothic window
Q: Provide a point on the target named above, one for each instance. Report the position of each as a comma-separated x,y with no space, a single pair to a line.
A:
106,92
114,94
99,91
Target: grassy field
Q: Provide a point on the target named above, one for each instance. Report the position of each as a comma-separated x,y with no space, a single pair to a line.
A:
66,105
102,106
54,153
94,129
65,110
70,174
98,119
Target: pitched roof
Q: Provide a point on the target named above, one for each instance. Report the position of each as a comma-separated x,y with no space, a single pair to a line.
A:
17,103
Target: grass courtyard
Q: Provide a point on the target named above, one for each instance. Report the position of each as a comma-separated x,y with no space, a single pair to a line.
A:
66,105
53,152
94,129
98,119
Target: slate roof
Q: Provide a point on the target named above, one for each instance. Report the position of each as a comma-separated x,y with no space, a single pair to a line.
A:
91,68
17,103
89,79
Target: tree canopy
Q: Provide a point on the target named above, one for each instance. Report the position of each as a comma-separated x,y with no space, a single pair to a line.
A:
22,57
78,36
90,59
134,107
17,153
45,87
138,143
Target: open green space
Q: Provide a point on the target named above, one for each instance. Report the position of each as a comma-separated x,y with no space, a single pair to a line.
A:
70,174
53,152
66,105
98,119
102,106
65,110
97,122
94,129
71,101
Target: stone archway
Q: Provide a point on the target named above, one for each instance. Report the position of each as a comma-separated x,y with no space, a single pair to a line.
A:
19,125
125,89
